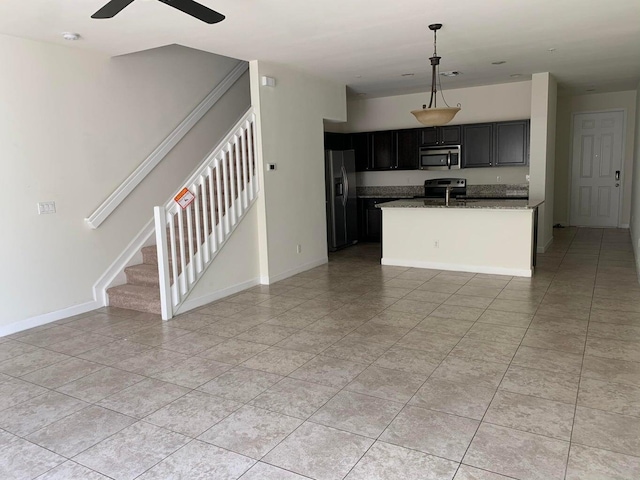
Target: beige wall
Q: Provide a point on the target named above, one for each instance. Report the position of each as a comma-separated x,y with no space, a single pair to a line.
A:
635,195
490,103
73,126
291,135
544,93
567,106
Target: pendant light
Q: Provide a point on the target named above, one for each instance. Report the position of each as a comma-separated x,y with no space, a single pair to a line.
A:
433,115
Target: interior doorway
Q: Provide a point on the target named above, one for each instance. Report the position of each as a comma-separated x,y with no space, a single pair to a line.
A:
596,169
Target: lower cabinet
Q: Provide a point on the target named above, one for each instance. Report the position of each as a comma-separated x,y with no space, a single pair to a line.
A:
370,219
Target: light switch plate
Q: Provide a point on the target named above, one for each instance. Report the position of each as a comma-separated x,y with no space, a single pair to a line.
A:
46,207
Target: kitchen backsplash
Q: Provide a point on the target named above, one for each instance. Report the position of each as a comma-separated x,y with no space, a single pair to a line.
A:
409,191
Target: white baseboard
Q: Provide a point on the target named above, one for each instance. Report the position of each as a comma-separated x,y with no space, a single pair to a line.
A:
624,225
130,256
458,268
45,318
192,303
269,279
545,247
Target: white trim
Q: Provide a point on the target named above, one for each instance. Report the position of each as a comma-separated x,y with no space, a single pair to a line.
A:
624,225
128,257
45,318
269,279
457,268
545,247
212,297
132,181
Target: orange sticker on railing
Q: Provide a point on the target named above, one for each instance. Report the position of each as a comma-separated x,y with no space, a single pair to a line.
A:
184,198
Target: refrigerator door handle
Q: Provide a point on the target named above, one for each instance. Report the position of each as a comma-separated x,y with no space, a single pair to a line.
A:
346,183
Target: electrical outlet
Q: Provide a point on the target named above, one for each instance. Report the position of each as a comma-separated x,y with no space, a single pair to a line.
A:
527,177
436,244
46,207
498,178
299,248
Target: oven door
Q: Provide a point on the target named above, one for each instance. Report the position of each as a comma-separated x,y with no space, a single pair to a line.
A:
440,158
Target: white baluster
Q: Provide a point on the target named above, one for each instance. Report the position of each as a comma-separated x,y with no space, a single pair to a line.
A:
183,262
227,203
175,288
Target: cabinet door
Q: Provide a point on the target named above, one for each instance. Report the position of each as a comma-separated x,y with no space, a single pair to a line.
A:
477,145
511,143
360,143
336,141
450,135
382,150
407,149
428,136
373,224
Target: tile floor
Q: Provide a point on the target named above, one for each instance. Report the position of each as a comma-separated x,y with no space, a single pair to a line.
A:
350,370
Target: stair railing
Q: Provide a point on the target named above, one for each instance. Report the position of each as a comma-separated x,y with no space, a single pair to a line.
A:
225,186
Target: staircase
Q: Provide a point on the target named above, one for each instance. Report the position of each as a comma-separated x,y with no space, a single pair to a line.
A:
142,290
225,186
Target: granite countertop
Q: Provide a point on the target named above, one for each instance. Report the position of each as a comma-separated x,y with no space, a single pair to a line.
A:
505,204
474,191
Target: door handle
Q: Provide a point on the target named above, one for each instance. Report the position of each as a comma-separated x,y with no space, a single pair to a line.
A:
617,175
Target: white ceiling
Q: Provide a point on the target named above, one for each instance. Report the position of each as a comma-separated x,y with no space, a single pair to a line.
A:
368,44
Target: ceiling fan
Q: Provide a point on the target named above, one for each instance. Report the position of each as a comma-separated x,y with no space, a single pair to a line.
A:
189,7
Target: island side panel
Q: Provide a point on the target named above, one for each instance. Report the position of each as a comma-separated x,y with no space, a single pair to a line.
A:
497,241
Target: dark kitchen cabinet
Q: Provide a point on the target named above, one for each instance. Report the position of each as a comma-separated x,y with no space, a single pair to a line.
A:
512,143
477,145
382,154
337,141
386,150
360,143
407,149
370,219
434,136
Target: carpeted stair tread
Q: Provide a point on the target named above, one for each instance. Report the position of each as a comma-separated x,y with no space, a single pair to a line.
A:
135,297
143,274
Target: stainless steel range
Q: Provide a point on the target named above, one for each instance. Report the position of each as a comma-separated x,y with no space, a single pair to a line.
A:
437,188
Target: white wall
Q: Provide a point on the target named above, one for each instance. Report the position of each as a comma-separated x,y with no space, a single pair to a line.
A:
73,125
567,106
291,134
491,103
235,268
544,93
635,196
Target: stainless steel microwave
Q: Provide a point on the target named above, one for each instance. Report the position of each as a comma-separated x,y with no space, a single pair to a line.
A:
440,158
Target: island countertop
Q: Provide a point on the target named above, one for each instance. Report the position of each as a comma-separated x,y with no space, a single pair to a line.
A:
505,204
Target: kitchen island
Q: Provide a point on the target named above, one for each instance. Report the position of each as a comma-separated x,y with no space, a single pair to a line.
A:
481,236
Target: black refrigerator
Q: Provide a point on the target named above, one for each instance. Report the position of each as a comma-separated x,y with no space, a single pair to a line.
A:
342,209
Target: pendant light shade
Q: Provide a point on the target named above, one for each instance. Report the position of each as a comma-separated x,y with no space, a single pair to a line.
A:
431,117
434,116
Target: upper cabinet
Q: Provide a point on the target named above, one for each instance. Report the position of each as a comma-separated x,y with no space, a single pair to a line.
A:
433,136
512,143
500,144
383,153
477,149
407,149
386,150
495,144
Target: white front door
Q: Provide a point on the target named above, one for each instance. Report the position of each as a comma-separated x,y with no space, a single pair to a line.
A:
596,169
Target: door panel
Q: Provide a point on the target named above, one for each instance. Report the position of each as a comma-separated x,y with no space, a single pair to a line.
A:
597,155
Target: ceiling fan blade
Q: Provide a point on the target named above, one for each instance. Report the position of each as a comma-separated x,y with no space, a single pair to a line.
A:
111,9
196,10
